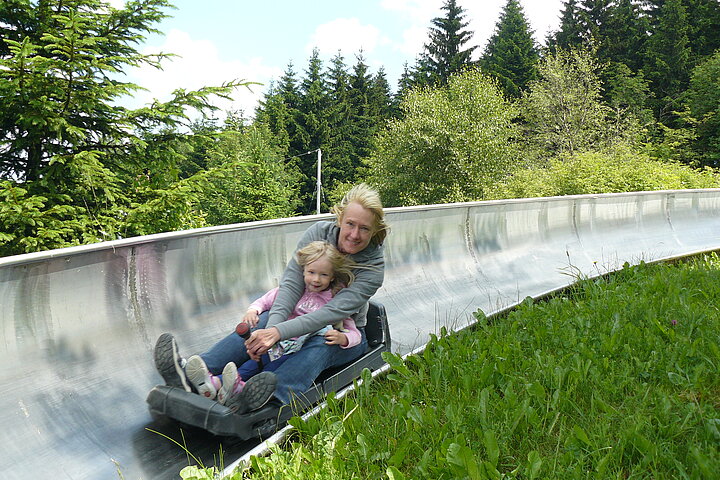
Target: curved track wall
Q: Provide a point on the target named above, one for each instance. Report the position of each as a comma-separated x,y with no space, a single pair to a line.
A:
78,324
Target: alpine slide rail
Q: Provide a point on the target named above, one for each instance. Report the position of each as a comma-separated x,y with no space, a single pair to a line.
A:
79,324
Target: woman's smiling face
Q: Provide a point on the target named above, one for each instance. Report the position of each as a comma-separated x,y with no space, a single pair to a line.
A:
356,229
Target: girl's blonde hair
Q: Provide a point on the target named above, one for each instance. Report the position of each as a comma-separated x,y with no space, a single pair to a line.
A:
342,265
369,199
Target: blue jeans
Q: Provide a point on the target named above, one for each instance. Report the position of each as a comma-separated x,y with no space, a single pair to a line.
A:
296,374
230,349
251,367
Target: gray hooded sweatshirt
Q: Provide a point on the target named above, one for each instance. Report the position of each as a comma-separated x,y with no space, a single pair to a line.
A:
350,301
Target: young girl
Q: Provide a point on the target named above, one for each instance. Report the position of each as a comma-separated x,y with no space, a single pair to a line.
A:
325,272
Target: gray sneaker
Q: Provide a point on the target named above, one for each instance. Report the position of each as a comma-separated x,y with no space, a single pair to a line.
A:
255,394
169,362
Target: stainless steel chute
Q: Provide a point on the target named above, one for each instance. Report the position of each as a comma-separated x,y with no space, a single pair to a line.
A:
78,324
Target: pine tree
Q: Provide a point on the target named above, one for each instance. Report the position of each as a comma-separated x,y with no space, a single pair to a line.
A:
338,158
667,65
289,92
381,97
77,167
595,20
704,31
363,125
273,113
405,83
570,34
281,112
313,117
626,35
511,55
444,54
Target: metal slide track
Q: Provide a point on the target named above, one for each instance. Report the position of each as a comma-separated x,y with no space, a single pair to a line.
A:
79,324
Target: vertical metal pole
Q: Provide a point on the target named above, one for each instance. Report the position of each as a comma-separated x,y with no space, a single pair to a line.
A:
319,183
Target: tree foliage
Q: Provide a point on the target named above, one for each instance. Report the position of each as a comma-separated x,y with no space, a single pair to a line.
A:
247,179
445,55
668,62
450,145
603,171
703,103
511,55
562,110
77,166
337,111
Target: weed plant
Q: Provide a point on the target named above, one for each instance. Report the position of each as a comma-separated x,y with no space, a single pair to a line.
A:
617,378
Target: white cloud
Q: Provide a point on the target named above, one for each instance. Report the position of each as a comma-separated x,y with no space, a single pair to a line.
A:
414,39
482,18
197,65
542,15
419,14
418,11
347,35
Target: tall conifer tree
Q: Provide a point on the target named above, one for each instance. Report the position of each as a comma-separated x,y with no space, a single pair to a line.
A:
667,64
313,117
363,124
704,28
570,34
595,20
626,34
511,55
444,54
340,153
381,98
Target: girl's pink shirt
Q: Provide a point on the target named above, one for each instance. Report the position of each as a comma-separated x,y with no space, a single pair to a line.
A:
309,302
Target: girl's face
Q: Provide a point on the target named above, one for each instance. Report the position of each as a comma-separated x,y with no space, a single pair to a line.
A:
318,274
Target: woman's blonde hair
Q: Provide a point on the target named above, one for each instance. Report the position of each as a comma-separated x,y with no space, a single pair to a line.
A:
369,199
341,264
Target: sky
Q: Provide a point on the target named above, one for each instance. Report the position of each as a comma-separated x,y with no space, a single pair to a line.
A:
223,40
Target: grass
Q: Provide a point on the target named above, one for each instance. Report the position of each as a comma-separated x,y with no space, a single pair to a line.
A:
617,378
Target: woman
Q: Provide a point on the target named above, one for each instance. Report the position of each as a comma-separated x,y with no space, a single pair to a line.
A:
359,232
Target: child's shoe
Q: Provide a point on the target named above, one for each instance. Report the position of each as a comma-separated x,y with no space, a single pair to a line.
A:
169,363
231,382
255,394
198,374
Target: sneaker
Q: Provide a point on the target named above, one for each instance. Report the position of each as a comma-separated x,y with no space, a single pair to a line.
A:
231,383
255,394
199,375
169,363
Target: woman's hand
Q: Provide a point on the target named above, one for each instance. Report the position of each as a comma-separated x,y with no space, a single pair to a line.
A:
251,317
260,342
335,337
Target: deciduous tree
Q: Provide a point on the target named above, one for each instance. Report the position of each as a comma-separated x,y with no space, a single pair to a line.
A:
450,144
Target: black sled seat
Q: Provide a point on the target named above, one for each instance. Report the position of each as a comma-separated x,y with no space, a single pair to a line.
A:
198,411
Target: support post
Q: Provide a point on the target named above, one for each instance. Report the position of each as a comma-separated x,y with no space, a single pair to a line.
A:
319,183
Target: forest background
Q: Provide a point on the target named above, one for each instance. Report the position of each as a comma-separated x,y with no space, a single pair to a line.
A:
624,96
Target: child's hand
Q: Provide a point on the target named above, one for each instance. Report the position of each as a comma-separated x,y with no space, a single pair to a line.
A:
251,317
335,337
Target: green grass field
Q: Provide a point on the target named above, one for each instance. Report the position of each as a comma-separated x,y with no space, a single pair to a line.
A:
615,378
